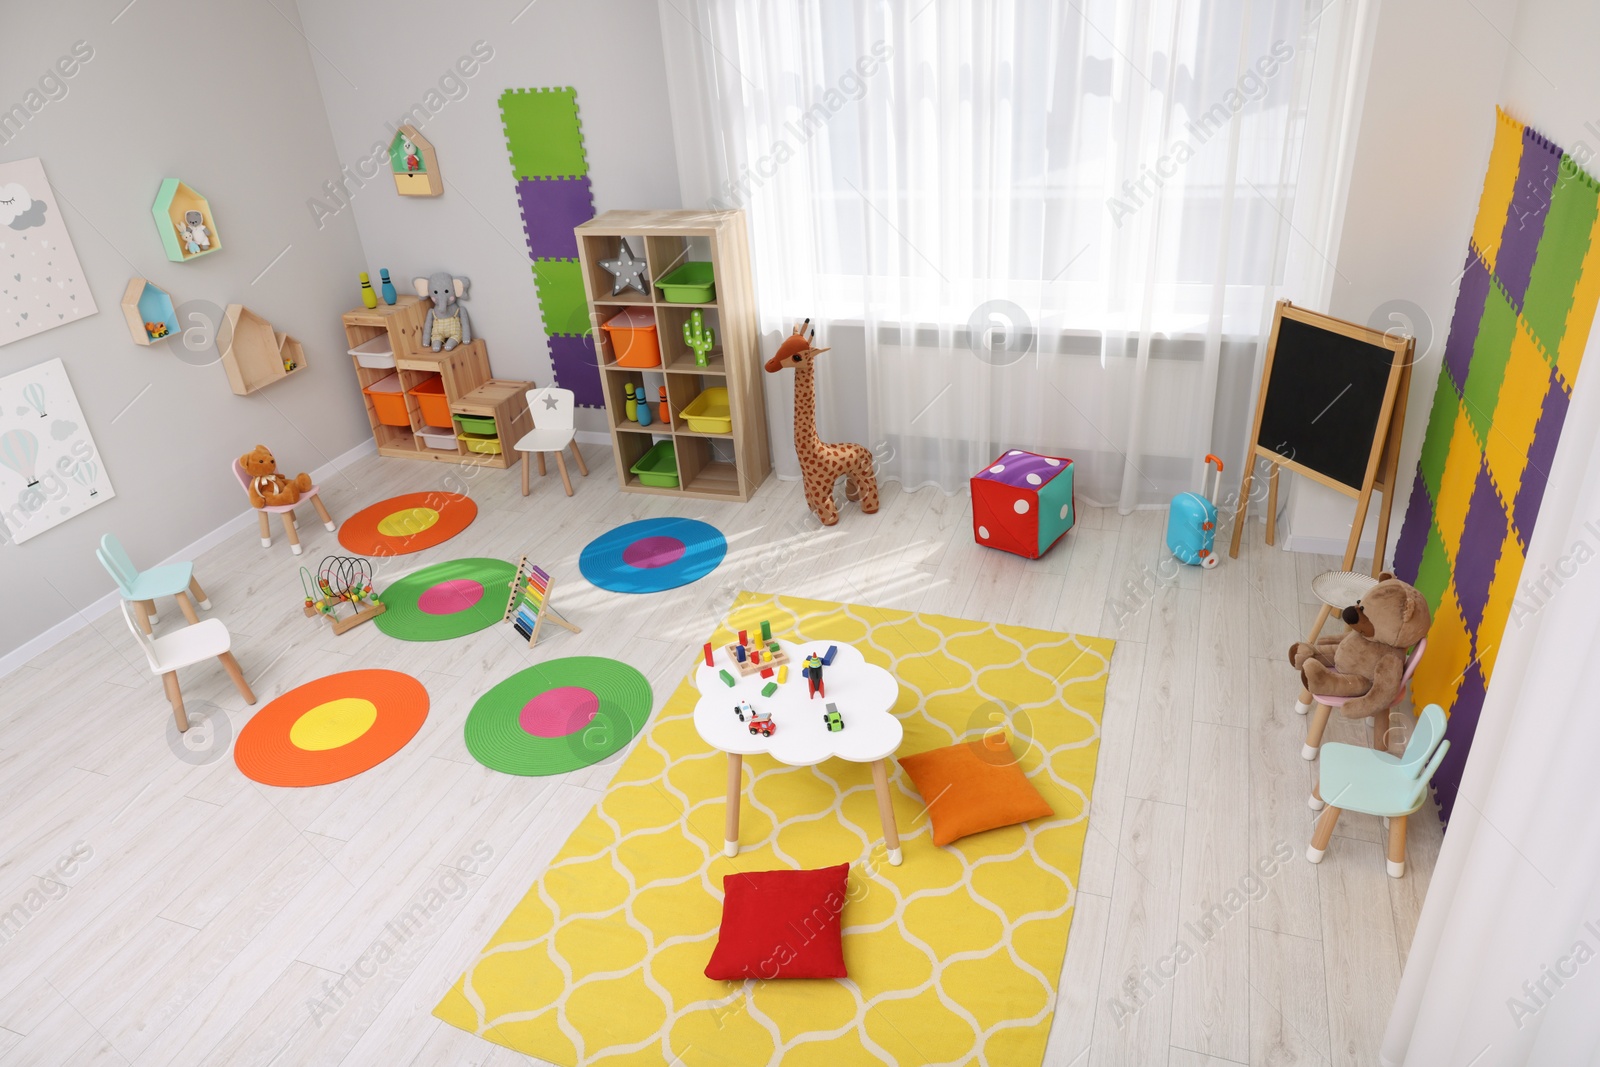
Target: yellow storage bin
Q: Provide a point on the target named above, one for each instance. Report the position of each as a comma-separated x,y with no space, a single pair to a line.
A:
708,412
476,443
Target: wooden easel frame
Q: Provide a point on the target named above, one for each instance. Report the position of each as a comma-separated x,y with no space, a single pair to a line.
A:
1382,461
545,610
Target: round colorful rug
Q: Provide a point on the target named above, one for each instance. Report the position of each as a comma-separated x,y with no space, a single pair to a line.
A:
331,729
445,600
558,716
652,554
408,523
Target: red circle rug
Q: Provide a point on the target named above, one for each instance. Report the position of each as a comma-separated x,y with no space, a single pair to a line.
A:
331,729
408,523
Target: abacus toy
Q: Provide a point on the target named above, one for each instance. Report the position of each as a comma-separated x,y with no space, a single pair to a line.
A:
341,580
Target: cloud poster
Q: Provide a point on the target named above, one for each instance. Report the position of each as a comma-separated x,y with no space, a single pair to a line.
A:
41,282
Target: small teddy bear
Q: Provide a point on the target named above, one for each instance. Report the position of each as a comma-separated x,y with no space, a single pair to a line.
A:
268,488
1369,662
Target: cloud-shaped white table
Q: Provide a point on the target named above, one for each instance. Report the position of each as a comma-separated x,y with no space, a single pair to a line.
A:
862,693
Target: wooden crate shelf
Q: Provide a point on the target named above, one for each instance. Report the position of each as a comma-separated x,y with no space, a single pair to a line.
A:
464,372
711,466
255,355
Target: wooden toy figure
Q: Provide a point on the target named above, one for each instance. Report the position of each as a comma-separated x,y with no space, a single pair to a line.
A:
369,299
389,295
822,464
813,673
664,416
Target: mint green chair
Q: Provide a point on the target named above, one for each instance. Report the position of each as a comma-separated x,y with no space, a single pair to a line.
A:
1372,782
140,588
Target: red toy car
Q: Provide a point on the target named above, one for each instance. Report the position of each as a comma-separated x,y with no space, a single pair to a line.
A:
761,723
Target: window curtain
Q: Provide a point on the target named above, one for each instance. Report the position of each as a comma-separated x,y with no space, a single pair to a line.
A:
1504,967
1059,227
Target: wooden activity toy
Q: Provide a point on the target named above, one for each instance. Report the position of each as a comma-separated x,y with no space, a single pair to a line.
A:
529,603
822,464
749,659
341,580
1332,407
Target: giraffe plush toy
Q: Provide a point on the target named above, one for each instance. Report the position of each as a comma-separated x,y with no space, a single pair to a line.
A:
822,464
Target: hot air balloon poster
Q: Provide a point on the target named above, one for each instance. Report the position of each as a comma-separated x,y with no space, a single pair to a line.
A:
41,282
50,469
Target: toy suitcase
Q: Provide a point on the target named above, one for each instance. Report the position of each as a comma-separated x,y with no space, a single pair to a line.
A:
1192,523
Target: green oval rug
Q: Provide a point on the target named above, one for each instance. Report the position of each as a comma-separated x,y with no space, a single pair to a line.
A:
445,600
558,716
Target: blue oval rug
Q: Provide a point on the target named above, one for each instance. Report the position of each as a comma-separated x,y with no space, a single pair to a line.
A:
652,554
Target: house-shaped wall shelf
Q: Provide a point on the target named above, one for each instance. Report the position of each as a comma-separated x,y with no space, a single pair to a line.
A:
149,311
254,354
415,166
175,214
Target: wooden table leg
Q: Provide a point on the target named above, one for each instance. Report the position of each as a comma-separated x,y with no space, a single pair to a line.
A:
266,529
524,474
175,695
293,533
199,594
561,462
187,607
322,512
891,833
730,831
577,454
231,665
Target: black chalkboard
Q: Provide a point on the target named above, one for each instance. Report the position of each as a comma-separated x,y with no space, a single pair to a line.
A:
1325,396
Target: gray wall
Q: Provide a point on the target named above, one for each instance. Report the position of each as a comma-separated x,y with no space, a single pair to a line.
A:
374,67
242,122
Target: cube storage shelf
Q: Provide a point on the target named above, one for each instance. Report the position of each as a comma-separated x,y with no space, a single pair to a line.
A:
449,385
728,465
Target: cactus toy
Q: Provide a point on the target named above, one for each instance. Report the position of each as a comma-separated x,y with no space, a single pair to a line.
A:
698,336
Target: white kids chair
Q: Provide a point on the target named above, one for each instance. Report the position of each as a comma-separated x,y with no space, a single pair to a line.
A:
552,419
183,648
286,510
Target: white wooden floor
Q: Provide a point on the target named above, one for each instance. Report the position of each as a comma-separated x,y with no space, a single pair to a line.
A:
216,921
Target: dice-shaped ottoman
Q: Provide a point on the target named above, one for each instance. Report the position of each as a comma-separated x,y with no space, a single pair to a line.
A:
1022,503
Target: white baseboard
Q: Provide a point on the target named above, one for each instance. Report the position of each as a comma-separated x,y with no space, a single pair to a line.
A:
594,437
84,616
1325,546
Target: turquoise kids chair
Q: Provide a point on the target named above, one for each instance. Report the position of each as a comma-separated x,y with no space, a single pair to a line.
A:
140,588
1375,783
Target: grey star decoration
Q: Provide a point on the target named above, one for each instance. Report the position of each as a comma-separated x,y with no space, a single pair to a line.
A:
627,271
550,403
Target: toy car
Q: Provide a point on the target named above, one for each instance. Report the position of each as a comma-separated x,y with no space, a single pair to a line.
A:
745,712
762,725
833,720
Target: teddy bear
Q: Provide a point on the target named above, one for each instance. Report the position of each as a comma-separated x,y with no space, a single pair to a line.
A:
1368,662
268,488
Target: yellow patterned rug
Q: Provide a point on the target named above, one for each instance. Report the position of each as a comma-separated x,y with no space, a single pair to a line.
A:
953,956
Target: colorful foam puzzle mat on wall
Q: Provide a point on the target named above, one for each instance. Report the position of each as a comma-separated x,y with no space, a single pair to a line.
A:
652,554
544,139
331,729
954,956
409,523
1522,318
446,600
558,716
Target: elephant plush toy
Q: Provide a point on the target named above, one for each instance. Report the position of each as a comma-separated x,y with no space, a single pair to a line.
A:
447,324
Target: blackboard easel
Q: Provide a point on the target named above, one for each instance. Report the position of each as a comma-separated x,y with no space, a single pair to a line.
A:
1316,363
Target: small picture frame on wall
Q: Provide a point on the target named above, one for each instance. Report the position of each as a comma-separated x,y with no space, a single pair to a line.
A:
414,164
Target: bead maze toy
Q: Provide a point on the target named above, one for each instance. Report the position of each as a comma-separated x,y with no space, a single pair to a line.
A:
529,603
341,580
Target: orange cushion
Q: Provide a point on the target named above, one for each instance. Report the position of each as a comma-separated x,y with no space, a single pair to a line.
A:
973,786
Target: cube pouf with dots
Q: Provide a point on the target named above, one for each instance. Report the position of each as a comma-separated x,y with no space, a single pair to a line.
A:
1022,503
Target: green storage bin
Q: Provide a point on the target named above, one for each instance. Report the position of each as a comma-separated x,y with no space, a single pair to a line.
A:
479,424
691,283
658,467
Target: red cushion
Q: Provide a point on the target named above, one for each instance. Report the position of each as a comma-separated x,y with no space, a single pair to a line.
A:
781,924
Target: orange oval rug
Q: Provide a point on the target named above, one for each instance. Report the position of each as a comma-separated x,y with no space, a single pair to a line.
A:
408,523
331,729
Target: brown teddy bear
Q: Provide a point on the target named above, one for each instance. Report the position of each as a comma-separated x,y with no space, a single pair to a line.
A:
268,488
1368,662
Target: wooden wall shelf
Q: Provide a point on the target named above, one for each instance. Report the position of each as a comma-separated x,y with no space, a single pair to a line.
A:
463,372
254,354
173,201
710,466
149,312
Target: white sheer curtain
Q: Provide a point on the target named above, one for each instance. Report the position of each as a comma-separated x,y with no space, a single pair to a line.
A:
1019,224
1505,964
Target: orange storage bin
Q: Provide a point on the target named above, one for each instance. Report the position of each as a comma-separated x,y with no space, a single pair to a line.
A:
434,404
389,402
633,337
